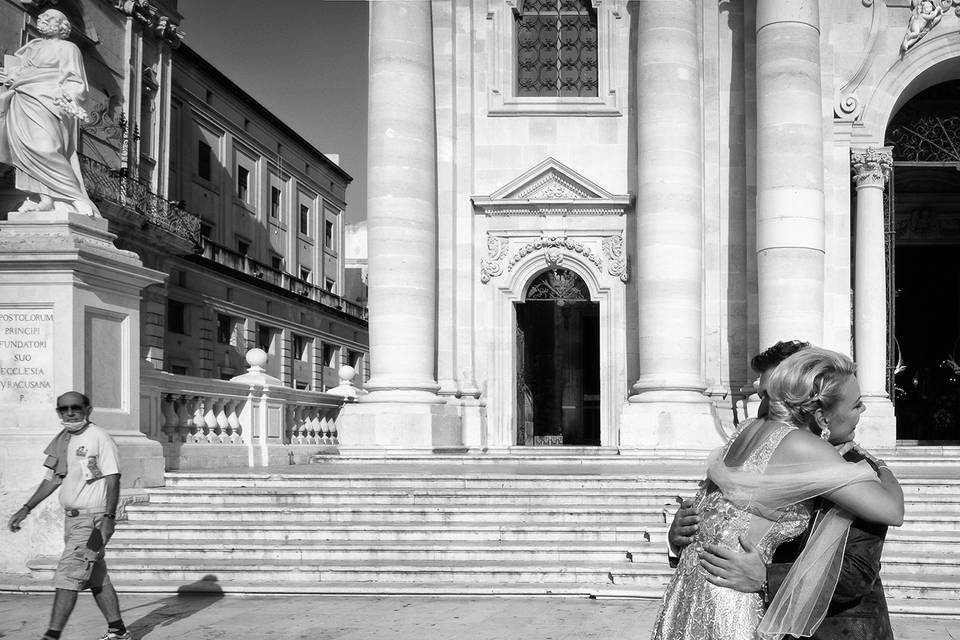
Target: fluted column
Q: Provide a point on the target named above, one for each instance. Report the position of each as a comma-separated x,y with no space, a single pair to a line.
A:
402,203
871,170
790,205
669,202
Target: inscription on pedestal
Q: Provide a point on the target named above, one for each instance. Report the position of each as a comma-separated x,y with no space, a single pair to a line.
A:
26,357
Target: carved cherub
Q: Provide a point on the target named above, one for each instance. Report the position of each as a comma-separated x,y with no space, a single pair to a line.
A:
924,17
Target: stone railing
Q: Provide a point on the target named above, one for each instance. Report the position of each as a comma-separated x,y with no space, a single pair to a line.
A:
252,419
104,183
239,262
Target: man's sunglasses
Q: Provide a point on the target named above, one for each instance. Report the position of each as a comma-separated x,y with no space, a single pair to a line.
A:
71,407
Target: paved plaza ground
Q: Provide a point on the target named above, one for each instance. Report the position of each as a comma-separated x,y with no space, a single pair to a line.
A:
362,618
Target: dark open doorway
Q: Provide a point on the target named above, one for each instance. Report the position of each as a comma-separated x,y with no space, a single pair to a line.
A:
558,363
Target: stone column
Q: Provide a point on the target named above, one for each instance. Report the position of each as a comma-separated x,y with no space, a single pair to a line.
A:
668,407
871,170
790,205
400,410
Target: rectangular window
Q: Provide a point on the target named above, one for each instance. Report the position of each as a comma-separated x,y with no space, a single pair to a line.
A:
243,247
265,337
301,344
557,54
203,159
330,285
176,317
328,234
243,183
355,358
305,274
224,328
304,219
206,229
276,262
274,202
330,352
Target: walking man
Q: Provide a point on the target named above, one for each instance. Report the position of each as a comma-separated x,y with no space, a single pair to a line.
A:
82,461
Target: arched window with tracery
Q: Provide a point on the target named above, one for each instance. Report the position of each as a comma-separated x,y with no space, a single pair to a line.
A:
557,49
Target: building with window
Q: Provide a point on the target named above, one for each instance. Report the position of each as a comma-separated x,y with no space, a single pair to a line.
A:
630,199
271,209
206,185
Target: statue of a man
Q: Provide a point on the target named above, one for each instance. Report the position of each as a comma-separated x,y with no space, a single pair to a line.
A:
41,88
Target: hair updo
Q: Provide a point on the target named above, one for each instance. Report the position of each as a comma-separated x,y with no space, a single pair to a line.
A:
808,380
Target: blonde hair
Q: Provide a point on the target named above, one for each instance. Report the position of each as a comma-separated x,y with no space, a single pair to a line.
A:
808,380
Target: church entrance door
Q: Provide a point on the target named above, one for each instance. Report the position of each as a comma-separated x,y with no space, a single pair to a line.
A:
558,363
925,360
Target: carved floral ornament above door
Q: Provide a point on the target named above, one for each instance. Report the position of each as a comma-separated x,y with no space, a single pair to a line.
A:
553,212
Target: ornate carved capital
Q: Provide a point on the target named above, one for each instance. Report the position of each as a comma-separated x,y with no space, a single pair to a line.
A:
872,166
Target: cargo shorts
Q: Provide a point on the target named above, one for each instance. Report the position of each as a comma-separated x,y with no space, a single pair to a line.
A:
80,568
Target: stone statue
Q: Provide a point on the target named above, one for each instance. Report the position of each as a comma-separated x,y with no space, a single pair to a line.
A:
924,17
41,87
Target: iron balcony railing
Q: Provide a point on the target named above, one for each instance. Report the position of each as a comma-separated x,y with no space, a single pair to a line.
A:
239,262
104,183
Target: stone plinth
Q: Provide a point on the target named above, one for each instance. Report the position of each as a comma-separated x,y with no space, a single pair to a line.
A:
665,423
399,427
69,320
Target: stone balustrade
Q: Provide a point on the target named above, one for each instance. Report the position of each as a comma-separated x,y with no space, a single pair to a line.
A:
252,419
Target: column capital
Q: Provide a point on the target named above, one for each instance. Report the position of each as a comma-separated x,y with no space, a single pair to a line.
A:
871,167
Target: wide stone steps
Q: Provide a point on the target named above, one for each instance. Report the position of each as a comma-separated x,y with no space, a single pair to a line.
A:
622,532
571,527
379,513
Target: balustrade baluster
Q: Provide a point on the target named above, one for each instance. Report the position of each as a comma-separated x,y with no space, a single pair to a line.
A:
210,420
170,422
223,424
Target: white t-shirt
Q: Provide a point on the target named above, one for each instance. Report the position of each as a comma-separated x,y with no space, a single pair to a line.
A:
91,455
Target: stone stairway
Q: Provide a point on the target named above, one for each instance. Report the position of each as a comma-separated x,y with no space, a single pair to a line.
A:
566,525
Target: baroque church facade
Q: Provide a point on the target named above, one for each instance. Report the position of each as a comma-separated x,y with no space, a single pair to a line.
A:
629,199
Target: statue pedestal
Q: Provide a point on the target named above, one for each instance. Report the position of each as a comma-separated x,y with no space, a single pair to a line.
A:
69,320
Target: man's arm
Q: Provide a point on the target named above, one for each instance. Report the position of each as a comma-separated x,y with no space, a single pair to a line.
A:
107,524
686,522
48,486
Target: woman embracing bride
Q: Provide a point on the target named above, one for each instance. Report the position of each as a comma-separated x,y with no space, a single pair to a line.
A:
761,486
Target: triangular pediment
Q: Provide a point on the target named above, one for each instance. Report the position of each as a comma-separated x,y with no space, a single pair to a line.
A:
550,180
552,185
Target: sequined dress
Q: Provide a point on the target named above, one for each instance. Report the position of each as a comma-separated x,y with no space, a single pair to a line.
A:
694,609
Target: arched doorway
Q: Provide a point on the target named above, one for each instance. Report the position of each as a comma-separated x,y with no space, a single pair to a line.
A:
924,225
558,362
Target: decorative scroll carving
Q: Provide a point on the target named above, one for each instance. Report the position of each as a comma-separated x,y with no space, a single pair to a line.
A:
617,265
490,266
560,243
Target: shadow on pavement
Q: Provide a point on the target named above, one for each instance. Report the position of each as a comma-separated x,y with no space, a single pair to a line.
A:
190,599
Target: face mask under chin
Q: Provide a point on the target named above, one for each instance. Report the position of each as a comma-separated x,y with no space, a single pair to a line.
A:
75,426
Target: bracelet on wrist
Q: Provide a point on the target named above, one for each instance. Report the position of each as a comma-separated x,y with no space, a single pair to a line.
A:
112,516
27,507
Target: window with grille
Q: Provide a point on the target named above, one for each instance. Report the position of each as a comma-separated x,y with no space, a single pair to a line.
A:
557,49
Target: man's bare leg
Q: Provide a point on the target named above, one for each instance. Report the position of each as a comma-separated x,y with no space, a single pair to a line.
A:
107,601
63,603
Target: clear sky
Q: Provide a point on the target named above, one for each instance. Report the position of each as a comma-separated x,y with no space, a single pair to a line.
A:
304,60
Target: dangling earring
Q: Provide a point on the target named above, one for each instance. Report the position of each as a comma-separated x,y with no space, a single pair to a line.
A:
825,434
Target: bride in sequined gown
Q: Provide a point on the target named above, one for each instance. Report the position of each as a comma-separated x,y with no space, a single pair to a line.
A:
760,487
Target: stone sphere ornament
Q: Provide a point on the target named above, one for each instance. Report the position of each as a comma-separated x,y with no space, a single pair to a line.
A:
42,88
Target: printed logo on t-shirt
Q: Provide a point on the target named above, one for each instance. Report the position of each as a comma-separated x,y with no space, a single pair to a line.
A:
81,451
